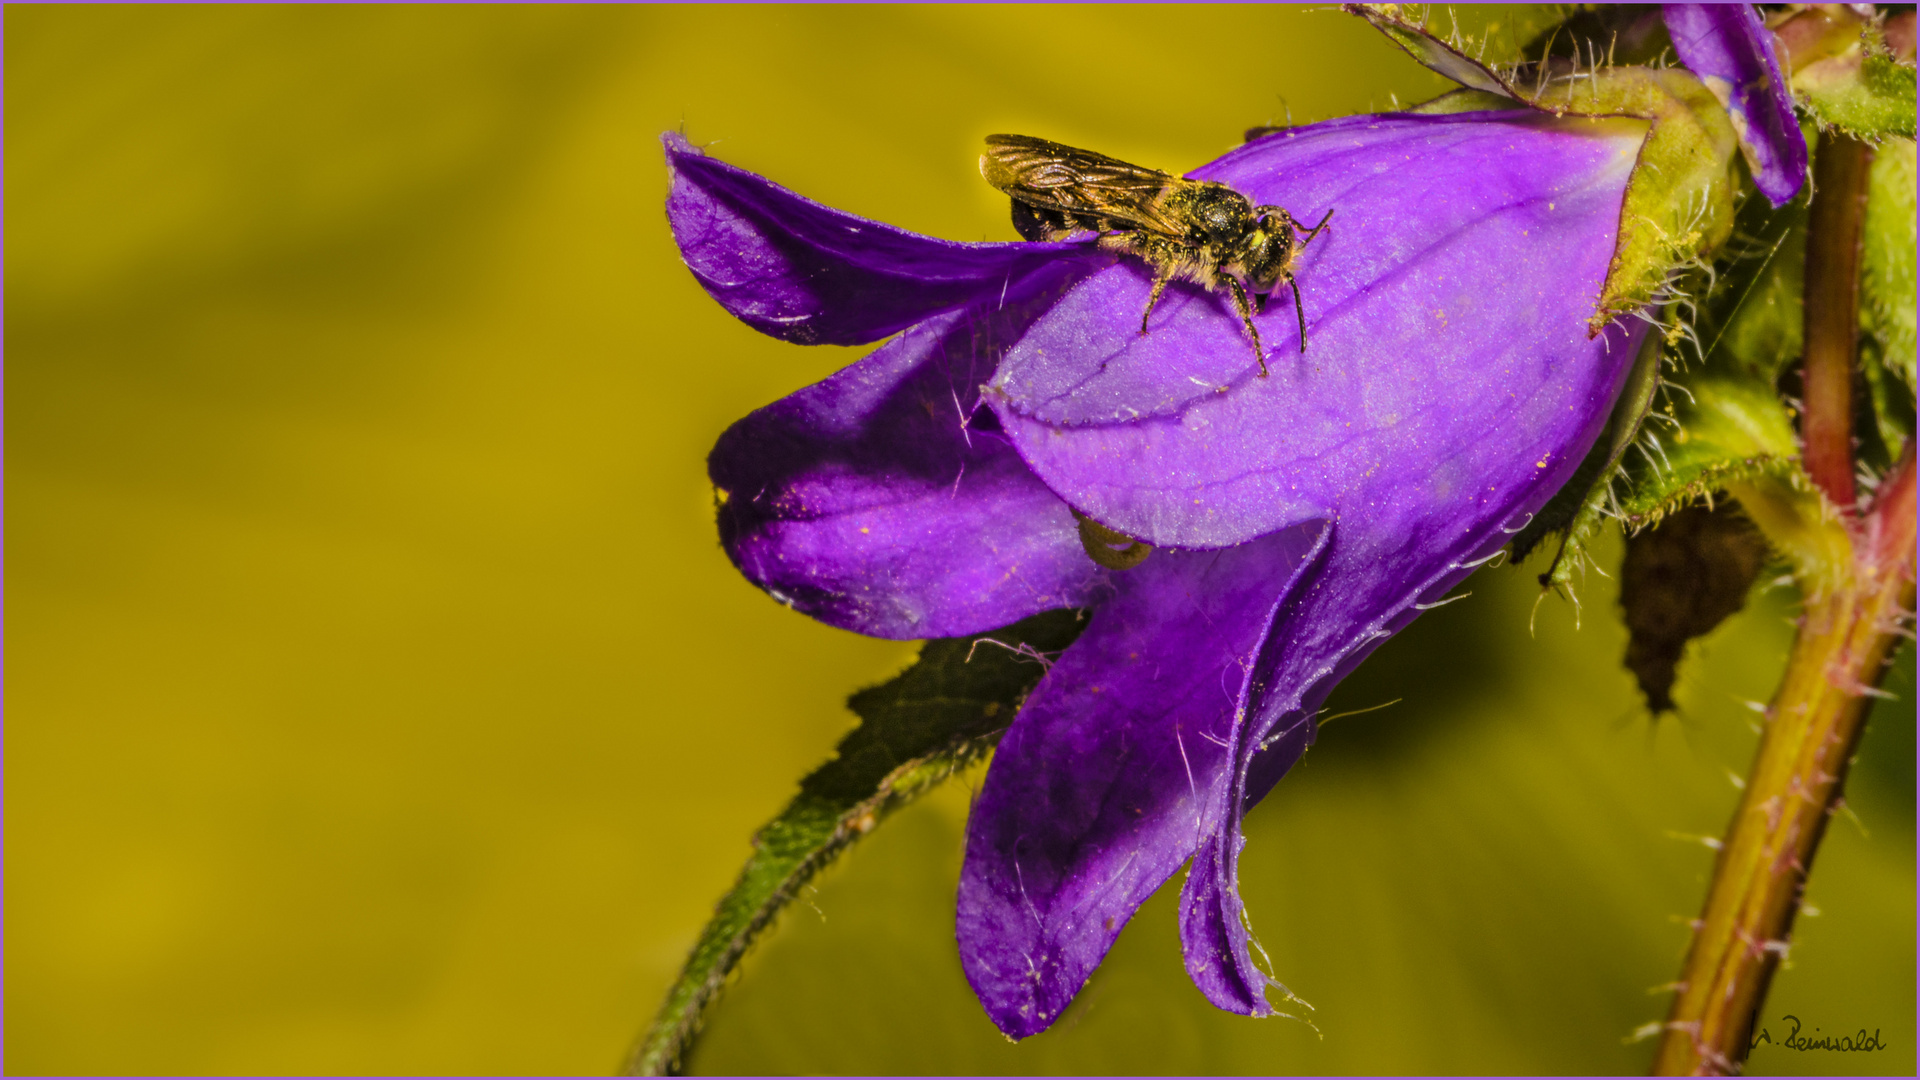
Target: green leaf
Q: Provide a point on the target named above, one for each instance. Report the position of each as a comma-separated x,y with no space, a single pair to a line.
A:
940,715
1751,323
1724,430
1732,436
1892,400
1887,273
1863,92
1799,523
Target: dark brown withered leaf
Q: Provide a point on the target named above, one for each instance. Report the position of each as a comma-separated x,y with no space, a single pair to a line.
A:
1679,581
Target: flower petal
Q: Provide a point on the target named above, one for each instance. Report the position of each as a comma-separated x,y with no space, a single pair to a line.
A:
866,502
1733,53
1380,567
1447,306
799,271
1102,786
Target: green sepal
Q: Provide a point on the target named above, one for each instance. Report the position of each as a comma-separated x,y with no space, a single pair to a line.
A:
1863,92
1465,100
1679,208
1430,51
943,713
1553,518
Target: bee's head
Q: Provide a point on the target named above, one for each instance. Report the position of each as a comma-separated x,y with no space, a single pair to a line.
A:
1268,250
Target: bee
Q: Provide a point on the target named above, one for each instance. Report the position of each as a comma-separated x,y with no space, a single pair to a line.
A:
1196,230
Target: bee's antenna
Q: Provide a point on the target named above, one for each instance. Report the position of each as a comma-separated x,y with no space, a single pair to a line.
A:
1314,233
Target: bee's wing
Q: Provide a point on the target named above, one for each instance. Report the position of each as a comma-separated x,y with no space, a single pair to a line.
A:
1057,177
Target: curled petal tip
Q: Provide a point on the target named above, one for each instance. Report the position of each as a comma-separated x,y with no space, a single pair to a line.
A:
807,273
1731,50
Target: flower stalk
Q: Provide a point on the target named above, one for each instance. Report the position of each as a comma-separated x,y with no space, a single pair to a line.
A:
1856,573
1813,725
1834,232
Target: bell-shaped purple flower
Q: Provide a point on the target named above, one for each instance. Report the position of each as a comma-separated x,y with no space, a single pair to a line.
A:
1448,387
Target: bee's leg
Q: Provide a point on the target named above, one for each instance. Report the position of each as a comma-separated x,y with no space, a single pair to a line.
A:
1246,319
1159,286
1297,309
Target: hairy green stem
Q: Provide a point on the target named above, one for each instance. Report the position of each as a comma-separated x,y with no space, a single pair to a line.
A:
1847,630
1834,236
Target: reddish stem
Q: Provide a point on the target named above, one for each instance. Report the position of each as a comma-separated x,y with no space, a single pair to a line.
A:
1814,722
1832,295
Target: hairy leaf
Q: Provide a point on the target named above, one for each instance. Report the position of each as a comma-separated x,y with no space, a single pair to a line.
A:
1732,436
1890,398
1887,272
1440,56
1730,430
1865,93
1751,322
940,715
1800,524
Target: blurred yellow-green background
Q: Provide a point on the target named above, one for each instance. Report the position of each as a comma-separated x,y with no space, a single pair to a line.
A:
378,699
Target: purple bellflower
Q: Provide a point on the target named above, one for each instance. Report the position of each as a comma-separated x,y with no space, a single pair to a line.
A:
1449,387
958,478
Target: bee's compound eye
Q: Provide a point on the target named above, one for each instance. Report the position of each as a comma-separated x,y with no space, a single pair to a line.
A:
1265,260
1276,238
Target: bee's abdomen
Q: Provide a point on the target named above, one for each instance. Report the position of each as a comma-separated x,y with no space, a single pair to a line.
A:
1033,223
1040,223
